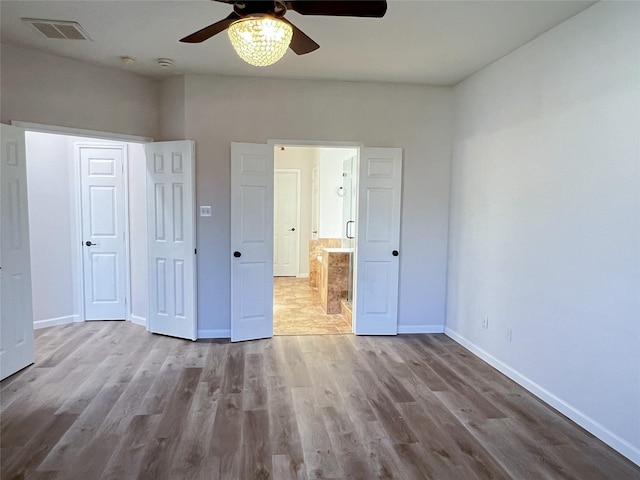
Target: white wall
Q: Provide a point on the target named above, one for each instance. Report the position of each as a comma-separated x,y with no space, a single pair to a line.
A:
219,110
42,88
138,250
51,217
545,219
330,173
172,109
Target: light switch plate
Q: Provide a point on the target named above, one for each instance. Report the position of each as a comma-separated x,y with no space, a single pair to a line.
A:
205,211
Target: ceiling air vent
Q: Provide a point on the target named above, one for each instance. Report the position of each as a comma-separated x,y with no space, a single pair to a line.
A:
58,29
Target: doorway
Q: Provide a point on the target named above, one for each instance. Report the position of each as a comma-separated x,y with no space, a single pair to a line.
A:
72,281
315,297
148,269
376,266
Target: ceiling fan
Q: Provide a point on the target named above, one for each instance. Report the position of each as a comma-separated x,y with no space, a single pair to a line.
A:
261,24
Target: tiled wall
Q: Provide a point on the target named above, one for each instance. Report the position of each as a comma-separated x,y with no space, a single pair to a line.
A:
334,281
315,249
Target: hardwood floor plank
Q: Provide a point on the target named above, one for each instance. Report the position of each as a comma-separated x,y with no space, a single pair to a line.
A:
448,445
416,361
84,430
283,468
392,383
125,461
254,391
158,456
226,443
385,411
27,459
382,459
283,428
126,404
347,444
192,452
291,361
319,457
256,449
156,398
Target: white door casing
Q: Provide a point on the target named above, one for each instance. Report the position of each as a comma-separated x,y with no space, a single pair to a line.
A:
251,241
16,311
378,241
172,238
286,220
103,231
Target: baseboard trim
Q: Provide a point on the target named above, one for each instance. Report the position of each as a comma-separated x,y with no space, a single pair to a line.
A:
406,329
138,320
214,333
52,322
586,422
303,275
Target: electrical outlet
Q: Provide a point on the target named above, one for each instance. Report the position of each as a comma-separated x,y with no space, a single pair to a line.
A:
508,335
485,322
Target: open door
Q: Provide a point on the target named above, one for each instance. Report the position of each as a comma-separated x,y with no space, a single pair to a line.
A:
16,311
378,241
171,232
251,241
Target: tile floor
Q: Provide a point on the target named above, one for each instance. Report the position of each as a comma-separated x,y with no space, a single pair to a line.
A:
297,310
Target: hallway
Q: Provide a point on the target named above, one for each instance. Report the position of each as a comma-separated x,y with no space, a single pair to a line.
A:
297,310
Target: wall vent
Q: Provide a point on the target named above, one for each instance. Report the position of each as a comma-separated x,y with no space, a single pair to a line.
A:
61,29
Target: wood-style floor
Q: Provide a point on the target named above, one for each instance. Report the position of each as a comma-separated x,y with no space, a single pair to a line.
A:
107,400
297,310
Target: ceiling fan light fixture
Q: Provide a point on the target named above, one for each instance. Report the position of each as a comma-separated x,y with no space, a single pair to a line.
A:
260,40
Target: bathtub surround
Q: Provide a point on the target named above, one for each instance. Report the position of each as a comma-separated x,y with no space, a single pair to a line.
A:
334,280
315,257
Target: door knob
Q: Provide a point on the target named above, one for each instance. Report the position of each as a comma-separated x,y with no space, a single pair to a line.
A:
395,253
237,254
293,229
88,243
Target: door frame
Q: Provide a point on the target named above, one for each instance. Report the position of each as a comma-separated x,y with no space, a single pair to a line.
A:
76,235
298,175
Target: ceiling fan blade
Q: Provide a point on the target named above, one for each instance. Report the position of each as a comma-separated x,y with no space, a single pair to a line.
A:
361,8
208,32
300,42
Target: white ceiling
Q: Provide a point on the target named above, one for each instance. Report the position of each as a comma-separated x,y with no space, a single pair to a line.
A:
419,41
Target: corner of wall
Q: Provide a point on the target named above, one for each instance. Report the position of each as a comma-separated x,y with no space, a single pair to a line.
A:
172,108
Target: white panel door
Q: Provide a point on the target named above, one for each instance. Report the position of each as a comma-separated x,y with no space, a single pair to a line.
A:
378,241
286,214
172,238
16,321
251,241
103,238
